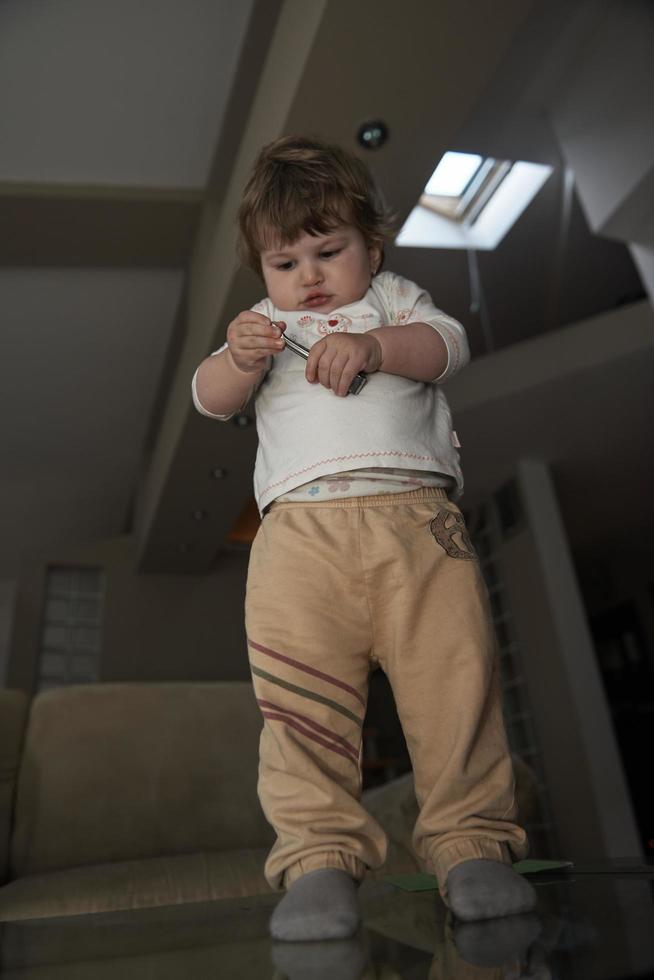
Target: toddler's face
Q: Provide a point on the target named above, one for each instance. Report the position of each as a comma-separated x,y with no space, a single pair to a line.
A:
320,272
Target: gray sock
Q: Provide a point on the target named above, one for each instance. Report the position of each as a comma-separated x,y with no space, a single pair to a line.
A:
484,889
494,942
320,905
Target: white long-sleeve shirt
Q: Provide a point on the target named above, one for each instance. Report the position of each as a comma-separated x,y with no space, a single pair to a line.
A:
306,432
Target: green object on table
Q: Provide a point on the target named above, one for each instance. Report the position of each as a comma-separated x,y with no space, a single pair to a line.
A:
530,867
426,883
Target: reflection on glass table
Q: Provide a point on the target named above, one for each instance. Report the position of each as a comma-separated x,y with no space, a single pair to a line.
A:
591,923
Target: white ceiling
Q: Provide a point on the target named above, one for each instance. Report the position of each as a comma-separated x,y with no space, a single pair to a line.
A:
83,350
118,92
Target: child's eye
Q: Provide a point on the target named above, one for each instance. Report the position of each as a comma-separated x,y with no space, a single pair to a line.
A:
328,254
284,266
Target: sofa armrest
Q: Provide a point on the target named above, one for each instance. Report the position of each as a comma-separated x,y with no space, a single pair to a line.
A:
13,718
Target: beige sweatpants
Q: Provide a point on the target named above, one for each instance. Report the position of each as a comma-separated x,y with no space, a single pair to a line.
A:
336,588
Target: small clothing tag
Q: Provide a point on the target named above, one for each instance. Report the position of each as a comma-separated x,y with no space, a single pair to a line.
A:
455,440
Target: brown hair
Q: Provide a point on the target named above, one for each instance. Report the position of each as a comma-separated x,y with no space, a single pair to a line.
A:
305,185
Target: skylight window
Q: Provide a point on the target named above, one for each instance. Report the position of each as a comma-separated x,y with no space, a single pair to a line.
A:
471,201
453,174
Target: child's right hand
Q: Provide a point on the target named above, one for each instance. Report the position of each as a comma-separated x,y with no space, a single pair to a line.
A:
251,338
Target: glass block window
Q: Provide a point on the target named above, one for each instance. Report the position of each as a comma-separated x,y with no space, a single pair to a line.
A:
489,524
71,628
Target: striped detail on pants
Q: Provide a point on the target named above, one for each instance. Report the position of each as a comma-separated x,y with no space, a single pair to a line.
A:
298,719
309,670
342,746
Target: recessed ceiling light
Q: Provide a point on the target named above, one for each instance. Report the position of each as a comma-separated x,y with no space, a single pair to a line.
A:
372,134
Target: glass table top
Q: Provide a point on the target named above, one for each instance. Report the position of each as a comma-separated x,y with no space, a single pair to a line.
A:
594,922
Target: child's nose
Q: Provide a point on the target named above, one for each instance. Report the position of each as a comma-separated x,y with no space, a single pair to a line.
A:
311,274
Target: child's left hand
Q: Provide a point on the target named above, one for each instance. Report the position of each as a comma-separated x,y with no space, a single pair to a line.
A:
334,361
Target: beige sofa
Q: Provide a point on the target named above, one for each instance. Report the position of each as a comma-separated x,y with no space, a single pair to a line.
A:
141,798
122,796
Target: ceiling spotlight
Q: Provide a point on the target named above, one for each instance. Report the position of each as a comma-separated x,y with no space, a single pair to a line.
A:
242,421
218,473
200,515
373,134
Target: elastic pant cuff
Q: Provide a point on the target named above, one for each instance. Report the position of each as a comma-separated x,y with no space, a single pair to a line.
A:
325,859
443,861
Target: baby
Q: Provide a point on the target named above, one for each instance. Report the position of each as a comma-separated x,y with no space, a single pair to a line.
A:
362,559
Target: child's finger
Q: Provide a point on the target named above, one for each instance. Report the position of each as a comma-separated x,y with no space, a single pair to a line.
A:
265,344
251,333
313,361
340,375
330,367
251,316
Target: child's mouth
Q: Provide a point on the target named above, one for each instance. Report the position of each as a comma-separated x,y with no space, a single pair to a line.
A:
315,299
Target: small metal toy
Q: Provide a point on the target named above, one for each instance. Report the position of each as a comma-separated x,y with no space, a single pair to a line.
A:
358,381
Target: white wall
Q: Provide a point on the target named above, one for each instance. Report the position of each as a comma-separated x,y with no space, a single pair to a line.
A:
154,627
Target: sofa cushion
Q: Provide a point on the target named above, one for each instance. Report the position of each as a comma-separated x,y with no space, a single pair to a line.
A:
123,885
114,772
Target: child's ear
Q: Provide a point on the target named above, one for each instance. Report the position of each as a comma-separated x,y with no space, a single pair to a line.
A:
375,253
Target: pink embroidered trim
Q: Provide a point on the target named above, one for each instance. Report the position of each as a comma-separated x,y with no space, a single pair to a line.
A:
455,343
450,338
339,459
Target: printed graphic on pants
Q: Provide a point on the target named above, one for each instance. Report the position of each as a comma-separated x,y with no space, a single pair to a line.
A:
450,532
